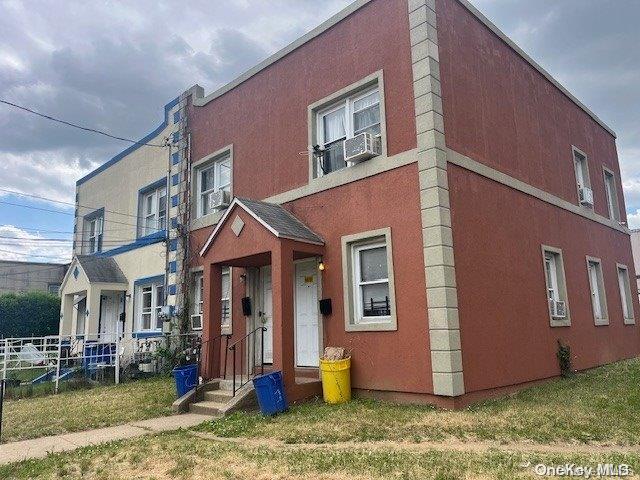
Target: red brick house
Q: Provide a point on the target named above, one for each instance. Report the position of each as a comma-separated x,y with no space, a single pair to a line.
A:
466,209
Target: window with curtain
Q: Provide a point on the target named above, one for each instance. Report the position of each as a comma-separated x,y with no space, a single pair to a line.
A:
344,119
371,282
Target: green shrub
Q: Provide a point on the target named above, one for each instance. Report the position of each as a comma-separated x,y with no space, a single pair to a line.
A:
33,314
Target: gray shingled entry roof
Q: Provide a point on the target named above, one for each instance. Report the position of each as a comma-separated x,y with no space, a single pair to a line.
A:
281,221
101,269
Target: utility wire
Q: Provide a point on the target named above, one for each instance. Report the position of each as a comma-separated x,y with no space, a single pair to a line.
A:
13,192
80,127
63,213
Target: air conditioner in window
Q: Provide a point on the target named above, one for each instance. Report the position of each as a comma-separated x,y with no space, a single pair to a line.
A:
586,196
558,308
361,147
219,199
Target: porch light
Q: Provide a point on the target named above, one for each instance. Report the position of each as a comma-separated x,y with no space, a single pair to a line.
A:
321,265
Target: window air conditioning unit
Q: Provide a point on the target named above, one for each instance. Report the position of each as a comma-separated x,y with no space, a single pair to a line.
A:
586,196
219,199
558,309
361,147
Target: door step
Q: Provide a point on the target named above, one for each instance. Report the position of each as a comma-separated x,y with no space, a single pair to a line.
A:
216,398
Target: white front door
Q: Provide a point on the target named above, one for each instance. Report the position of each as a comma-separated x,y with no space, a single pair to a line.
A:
306,312
265,315
108,317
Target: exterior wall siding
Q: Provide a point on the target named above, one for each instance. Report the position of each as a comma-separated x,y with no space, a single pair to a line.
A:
502,113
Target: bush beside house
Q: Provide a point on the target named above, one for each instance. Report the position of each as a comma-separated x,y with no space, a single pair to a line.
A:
29,314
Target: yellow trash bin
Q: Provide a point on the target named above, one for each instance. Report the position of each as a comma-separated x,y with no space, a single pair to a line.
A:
336,380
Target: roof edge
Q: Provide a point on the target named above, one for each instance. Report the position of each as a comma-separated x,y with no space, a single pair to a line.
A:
310,35
500,34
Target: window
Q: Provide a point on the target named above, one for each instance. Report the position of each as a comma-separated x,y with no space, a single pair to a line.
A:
612,194
81,306
225,322
625,294
154,211
95,234
368,276
198,302
151,300
53,288
345,119
212,178
583,182
598,297
557,304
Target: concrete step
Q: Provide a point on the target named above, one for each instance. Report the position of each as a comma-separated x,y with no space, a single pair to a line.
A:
207,407
222,396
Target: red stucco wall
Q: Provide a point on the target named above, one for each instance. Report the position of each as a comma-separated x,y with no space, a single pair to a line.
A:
500,111
266,117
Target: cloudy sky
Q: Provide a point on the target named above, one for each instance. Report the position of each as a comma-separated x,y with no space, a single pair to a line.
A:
113,65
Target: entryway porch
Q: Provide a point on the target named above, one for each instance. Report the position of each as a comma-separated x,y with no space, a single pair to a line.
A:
280,327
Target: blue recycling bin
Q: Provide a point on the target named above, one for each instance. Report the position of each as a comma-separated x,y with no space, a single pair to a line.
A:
270,392
186,378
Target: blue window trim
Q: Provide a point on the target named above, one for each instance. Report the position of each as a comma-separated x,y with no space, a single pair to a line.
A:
147,334
134,147
95,214
150,239
173,266
175,158
175,179
144,190
149,280
174,200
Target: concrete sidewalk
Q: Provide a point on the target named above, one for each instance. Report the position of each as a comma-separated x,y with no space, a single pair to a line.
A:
40,447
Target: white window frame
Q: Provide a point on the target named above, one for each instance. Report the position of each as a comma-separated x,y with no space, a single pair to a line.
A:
597,290
95,234
217,184
611,191
333,101
158,215
626,299
153,310
351,246
581,171
555,283
198,301
349,112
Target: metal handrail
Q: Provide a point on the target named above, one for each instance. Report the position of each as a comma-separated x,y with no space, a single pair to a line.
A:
212,341
251,367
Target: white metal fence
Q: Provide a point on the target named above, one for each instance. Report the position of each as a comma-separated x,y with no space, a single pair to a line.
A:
57,358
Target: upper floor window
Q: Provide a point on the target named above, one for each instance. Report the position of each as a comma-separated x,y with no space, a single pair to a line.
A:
344,119
213,178
556,286
583,182
154,211
95,229
612,194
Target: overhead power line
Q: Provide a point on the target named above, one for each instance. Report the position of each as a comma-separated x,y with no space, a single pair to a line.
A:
80,127
63,213
39,197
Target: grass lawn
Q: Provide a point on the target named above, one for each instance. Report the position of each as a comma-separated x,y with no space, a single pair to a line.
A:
602,405
73,411
181,455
